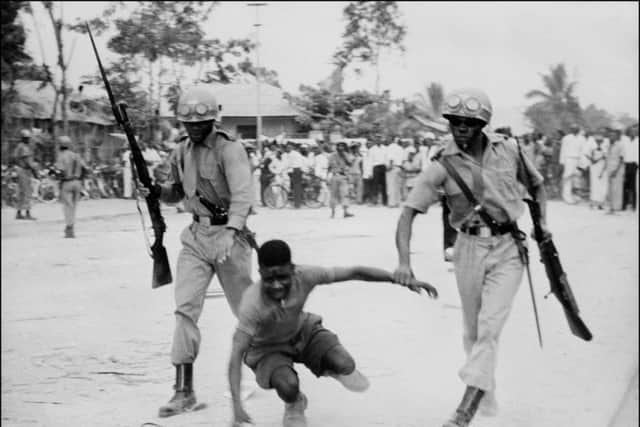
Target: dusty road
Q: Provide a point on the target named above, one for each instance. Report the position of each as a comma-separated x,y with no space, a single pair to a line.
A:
85,341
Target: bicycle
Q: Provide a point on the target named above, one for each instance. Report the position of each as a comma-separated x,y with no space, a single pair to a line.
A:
277,194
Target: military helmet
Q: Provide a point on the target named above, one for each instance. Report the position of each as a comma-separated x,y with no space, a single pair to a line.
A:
197,104
64,141
24,133
471,103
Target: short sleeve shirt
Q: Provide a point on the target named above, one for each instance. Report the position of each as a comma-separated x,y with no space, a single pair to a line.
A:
496,183
269,322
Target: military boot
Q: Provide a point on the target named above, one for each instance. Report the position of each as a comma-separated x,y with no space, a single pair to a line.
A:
68,232
467,408
19,215
184,399
28,216
294,412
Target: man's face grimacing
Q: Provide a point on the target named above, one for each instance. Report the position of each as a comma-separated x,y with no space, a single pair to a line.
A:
198,131
465,129
276,280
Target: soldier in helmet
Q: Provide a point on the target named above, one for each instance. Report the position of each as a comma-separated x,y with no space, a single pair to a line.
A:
339,165
487,263
210,172
23,156
70,167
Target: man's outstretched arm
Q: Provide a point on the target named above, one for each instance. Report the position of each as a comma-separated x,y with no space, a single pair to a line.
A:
403,273
373,274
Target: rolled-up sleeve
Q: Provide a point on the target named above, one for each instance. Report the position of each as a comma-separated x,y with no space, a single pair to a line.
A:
237,171
532,176
172,191
425,192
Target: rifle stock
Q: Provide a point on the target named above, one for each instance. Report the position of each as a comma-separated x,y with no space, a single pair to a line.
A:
557,276
161,273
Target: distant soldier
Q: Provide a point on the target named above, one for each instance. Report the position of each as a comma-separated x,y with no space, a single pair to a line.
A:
339,164
70,167
23,156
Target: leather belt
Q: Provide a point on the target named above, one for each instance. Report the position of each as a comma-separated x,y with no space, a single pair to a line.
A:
209,220
480,230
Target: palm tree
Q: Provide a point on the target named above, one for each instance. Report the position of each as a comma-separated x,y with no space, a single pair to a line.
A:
557,106
431,101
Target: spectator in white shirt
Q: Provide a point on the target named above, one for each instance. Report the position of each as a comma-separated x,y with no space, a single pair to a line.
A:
295,164
630,154
367,174
395,158
570,153
378,159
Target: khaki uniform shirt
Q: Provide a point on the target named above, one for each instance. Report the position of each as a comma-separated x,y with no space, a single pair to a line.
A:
337,165
496,182
218,170
70,164
23,155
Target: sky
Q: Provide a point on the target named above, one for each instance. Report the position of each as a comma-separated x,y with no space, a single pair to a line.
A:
499,47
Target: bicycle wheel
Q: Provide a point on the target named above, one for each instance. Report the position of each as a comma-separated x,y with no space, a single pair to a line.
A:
275,196
313,196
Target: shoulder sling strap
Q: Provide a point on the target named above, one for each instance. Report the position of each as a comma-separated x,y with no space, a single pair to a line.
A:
477,207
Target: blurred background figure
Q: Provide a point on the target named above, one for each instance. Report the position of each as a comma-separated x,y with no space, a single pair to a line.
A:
597,156
630,154
570,151
355,172
23,158
615,172
71,169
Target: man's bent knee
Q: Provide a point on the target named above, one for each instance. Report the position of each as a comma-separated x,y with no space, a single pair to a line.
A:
339,361
285,381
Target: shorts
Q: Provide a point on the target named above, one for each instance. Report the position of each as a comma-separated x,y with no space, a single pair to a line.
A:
308,347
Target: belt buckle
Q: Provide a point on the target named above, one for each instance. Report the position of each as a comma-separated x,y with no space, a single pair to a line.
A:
484,231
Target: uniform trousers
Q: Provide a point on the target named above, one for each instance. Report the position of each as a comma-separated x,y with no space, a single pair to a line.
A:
69,196
339,190
488,274
24,189
196,267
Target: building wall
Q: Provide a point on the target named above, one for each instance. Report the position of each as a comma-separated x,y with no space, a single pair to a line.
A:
271,126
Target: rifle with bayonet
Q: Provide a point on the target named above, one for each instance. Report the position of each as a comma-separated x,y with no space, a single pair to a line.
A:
161,274
551,260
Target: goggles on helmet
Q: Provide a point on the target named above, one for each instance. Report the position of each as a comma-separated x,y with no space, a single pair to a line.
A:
469,105
200,109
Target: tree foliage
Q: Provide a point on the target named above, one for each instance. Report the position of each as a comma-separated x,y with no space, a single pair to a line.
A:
557,106
372,28
596,118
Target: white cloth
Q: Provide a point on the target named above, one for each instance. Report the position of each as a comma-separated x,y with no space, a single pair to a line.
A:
395,155
294,159
367,165
309,162
571,147
630,149
378,155
321,165
126,174
598,180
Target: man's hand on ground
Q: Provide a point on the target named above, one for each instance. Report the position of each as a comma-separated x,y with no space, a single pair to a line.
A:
240,417
403,275
418,286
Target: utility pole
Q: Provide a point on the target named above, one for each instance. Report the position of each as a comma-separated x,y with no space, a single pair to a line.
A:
258,116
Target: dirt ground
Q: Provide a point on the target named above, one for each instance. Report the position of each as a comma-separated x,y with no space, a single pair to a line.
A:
86,341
